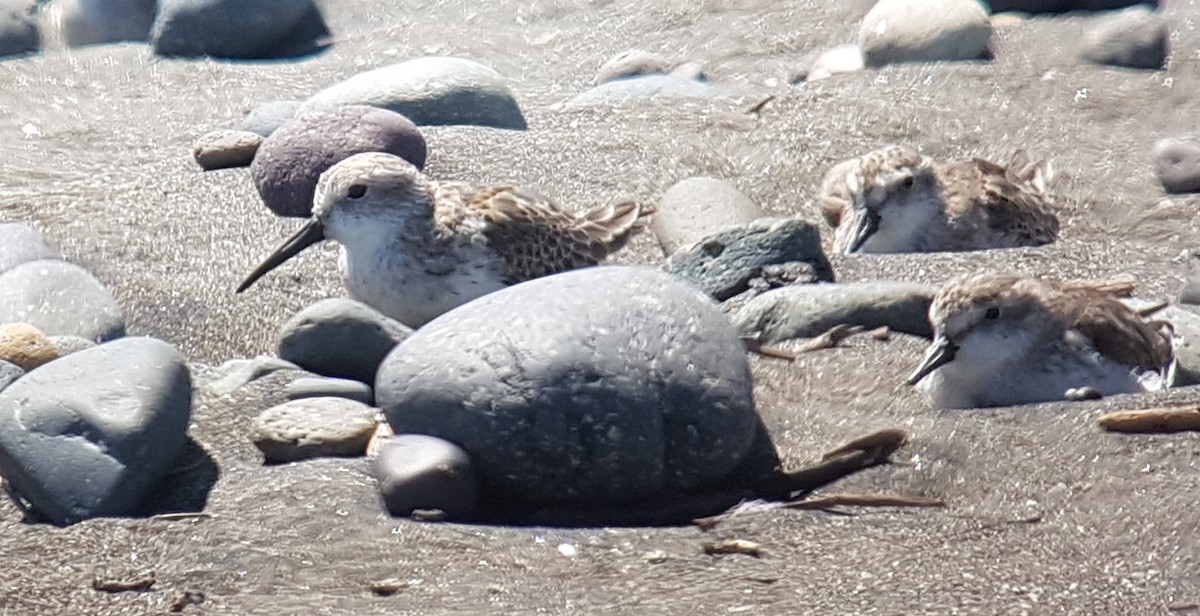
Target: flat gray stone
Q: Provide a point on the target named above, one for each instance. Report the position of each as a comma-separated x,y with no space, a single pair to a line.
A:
239,29
340,337
604,385
1136,37
648,88
632,63
60,298
1177,164
289,162
326,387
237,373
9,373
71,344
93,433
724,264
896,31
268,117
18,28
313,428
698,207
807,311
92,22
430,91
423,472
20,243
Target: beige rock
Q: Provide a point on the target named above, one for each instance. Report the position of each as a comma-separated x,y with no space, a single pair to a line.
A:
222,149
25,346
314,427
922,31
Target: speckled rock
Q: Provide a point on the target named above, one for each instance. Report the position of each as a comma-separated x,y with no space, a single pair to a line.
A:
433,90
724,263
1136,37
75,23
268,117
314,427
632,63
423,472
846,58
93,433
697,207
244,29
18,27
602,385
340,337
25,346
289,162
60,298
71,344
810,310
326,387
224,149
20,243
237,373
9,373
1177,164
649,88
895,31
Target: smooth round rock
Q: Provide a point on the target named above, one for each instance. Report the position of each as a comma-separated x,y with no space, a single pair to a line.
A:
847,58
237,373
266,118
1176,163
724,263
75,23
603,385
313,428
60,298
71,344
224,149
25,346
1060,6
632,63
289,162
698,207
18,28
93,433
1136,37
326,387
648,88
430,91
9,373
423,472
21,243
240,29
896,31
340,337
807,311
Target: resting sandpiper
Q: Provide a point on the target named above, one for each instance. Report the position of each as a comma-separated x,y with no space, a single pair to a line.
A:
1002,339
895,200
414,248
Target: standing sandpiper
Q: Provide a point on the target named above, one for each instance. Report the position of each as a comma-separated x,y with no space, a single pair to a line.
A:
413,248
1001,339
895,200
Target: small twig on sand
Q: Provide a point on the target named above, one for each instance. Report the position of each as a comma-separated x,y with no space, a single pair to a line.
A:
1152,310
757,108
183,515
136,584
757,347
1160,420
865,500
733,546
891,439
830,339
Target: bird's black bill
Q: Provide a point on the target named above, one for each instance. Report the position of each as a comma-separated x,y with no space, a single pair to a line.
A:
866,226
311,233
940,353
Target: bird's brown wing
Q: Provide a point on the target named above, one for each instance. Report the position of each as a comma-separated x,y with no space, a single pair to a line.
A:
1116,330
981,193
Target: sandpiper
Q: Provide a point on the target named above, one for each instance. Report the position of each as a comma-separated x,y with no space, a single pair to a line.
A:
896,200
1003,339
414,248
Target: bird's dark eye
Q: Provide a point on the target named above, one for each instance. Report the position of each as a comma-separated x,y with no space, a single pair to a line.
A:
356,190
907,182
992,313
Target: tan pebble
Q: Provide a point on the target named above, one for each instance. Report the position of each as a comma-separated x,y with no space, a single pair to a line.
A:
1006,20
26,346
383,432
222,149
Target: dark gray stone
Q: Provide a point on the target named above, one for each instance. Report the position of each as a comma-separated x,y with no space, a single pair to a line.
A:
71,344
423,472
1060,6
289,162
93,433
9,373
268,117
1177,164
237,373
240,29
340,337
1133,38
430,91
632,63
314,428
698,207
807,311
60,298
326,387
648,88
601,385
724,264
93,22
18,29
20,243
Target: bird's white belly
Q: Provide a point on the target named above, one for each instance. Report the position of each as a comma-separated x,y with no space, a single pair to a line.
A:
957,386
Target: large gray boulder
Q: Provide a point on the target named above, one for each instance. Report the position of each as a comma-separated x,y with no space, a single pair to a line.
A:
340,337
1136,37
60,298
240,29
75,23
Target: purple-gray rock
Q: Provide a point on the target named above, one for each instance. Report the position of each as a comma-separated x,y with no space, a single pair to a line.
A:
697,207
240,29
1136,37
8,373
93,22
60,298
1176,163
1060,6
18,28
93,433
423,472
340,337
327,387
268,117
604,385
724,263
292,159
20,243
430,91
807,311
313,428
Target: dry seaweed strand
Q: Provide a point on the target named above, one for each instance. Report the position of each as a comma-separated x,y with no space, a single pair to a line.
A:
1153,421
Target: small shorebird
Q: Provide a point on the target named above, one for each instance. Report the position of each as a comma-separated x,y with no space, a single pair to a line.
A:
1001,339
413,248
895,200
